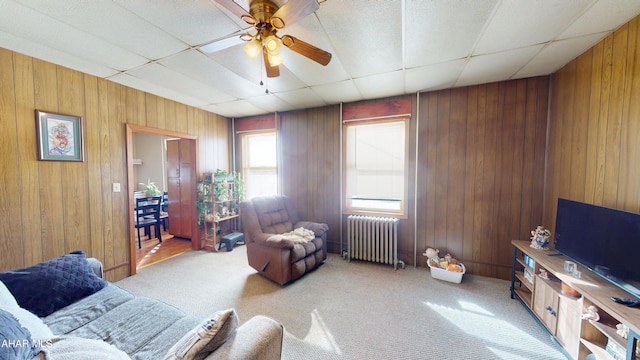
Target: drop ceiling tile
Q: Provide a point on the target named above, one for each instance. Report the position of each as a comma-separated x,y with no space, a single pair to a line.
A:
335,93
238,108
302,98
433,77
112,23
517,24
194,22
381,85
152,88
26,47
287,81
557,54
200,68
310,72
604,15
496,67
164,77
367,39
437,31
24,22
270,103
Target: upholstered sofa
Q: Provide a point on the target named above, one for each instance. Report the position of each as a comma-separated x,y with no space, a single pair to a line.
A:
62,309
280,246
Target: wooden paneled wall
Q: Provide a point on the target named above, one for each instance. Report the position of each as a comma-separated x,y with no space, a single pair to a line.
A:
480,173
49,208
309,142
594,126
480,179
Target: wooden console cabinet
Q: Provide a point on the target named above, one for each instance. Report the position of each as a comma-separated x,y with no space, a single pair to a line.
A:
560,312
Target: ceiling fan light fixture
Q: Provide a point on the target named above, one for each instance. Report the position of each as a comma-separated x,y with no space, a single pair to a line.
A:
272,45
252,48
274,60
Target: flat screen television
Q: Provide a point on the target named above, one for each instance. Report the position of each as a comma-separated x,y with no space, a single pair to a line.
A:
604,240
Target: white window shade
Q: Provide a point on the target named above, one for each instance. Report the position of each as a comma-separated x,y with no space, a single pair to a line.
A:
375,166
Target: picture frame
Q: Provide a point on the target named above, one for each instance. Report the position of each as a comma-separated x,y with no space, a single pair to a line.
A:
60,136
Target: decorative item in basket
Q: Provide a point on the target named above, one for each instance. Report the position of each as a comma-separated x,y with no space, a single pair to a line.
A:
445,268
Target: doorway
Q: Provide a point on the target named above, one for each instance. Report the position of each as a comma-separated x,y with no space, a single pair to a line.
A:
181,205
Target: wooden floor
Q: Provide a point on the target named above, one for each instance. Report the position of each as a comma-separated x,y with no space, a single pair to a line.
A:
153,251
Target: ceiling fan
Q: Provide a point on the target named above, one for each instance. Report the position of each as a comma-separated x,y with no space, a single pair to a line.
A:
267,17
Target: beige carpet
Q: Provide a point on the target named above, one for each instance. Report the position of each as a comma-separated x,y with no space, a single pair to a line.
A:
356,310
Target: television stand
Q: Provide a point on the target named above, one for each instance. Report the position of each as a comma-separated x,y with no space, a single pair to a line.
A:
561,313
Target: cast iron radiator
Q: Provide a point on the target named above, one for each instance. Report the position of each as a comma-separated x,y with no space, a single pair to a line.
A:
373,239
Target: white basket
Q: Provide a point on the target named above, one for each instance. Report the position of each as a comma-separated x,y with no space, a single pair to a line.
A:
446,275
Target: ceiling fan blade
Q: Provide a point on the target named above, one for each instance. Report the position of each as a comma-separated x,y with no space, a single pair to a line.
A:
221,44
232,6
272,71
305,49
295,10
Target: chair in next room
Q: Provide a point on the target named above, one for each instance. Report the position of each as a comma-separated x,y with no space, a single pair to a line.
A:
147,214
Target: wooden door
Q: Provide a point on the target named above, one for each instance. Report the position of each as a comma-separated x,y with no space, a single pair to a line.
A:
181,183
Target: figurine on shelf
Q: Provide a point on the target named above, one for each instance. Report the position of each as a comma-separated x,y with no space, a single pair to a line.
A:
540,238
591,314
544,274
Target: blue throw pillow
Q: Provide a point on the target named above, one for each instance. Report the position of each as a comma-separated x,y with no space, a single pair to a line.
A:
51,285
15,341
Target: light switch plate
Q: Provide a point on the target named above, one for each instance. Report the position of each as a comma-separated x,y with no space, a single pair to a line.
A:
116,187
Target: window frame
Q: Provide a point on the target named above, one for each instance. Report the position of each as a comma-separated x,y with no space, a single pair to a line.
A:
348,209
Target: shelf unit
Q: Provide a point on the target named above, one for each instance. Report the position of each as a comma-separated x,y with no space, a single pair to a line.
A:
560,313
523,285
219,213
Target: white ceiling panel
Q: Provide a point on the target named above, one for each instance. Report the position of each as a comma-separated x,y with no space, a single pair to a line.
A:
162,76
26,47
521,23
302,98
379,48
270,103
41,29
433,77
496,67
152,88
237,108
442,30
367,39
287,81
382,85
310,72
108,21
194,22
604,15
203,69
343,91
555,55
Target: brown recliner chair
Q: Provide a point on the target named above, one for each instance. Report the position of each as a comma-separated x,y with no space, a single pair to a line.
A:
281,258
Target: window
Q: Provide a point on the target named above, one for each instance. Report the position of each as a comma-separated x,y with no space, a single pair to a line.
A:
375,166
259,164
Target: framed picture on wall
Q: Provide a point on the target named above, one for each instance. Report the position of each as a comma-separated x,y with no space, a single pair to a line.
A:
59,136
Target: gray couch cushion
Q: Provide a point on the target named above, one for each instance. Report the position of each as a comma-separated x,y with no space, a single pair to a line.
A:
87,309
132,324
157,347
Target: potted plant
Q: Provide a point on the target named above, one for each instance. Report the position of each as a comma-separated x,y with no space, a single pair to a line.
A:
151,188
204,192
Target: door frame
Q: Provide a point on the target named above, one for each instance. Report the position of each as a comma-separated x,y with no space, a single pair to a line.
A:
130,130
